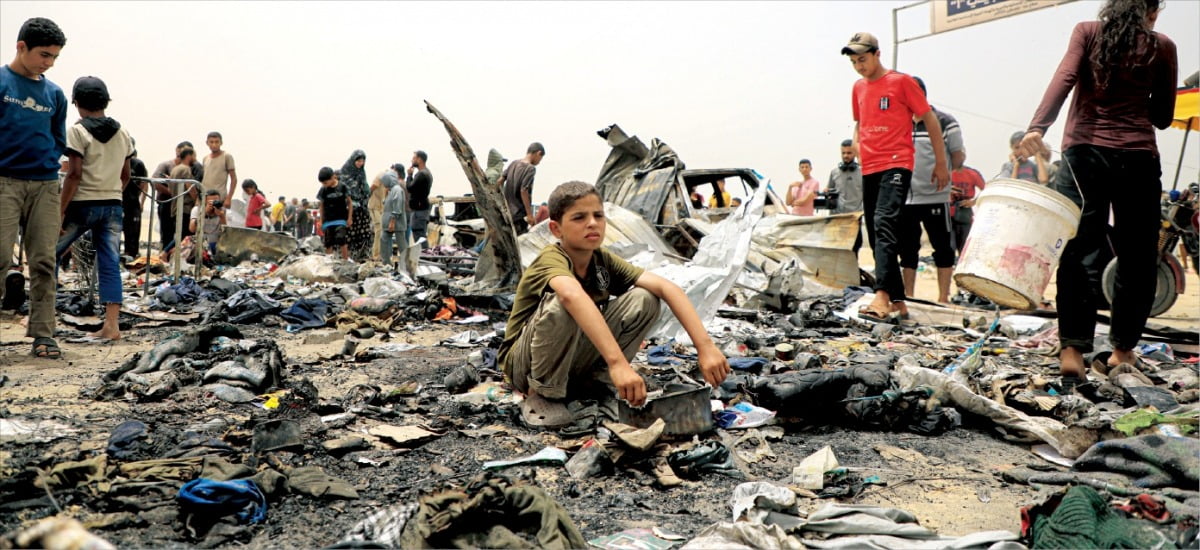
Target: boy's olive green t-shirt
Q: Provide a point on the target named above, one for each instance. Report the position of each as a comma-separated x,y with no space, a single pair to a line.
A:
608,276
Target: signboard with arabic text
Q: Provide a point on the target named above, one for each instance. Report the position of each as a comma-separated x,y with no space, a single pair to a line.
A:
948,15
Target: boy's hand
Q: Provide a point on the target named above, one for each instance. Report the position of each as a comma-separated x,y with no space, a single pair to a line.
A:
941,177
713,365
630,385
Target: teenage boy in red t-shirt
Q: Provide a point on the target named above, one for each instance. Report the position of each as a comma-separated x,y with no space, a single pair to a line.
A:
885,103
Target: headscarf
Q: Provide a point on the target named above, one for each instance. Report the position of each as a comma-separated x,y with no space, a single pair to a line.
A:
495,166
355,178
391,176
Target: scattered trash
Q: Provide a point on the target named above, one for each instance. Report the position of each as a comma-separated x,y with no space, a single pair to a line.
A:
59,532
207,499
276,435
755,500
549,456
592,460
638,439
19,430
744,415
461,379
707,457
640,538
403,436
810,473
685,411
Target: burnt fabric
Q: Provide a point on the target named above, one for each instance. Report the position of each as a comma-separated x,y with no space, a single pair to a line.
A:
709,456
313,481
123,442
210,498
248,306
1082,519
381,528
307,313
491,512
1148,460
860,395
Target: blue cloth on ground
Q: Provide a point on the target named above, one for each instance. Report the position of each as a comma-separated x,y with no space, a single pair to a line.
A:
747,363
306,313
186,291
221,498
662,355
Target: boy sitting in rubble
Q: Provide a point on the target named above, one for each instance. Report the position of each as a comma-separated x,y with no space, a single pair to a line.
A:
581,313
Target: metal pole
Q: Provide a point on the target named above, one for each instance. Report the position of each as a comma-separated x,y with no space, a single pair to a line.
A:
176,258
149,243
1182,148
895,41
202,244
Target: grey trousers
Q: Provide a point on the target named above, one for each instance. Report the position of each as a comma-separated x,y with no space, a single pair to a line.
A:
552,350
36,204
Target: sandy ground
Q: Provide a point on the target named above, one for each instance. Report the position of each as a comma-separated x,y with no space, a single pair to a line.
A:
950,482
1184,315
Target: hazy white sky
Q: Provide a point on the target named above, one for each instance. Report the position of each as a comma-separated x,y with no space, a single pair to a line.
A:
294,86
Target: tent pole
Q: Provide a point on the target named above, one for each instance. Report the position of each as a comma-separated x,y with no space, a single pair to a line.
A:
1182,148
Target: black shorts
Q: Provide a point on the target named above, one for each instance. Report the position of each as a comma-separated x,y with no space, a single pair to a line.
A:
936,219
336,236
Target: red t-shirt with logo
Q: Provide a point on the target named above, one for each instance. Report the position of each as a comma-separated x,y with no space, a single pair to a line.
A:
884,110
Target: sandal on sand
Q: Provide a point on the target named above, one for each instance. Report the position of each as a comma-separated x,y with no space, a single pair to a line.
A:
870,314
539,412
49,348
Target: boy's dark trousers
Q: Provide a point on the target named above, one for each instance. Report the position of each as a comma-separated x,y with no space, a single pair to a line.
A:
133,232
884,195
166,225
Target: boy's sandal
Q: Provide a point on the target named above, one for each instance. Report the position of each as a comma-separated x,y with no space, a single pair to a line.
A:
539,412
49,348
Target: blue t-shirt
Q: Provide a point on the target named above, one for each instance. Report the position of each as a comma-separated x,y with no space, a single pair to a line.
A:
33,127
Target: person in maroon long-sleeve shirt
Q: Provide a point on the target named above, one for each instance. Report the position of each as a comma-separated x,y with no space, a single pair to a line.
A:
1123,76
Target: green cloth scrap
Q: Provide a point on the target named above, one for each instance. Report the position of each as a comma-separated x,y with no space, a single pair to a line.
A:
1141,419
1085,520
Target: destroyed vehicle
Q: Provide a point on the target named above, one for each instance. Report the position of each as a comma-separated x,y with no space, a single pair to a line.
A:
653,183
455,221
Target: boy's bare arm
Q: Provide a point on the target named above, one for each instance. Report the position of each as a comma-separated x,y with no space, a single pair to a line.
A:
630,385
232,188
125,174
806,197
71,182
713,364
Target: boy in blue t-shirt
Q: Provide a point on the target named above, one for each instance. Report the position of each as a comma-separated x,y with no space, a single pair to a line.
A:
33,136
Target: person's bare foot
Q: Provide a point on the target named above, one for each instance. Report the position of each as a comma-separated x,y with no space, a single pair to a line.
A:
1070,362
108,334
1128,357
900,308
881,303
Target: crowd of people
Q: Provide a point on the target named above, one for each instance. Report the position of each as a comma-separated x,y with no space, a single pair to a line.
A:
101,187
367,236
903,167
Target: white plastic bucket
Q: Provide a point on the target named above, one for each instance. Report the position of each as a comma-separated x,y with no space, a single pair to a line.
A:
1015,243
